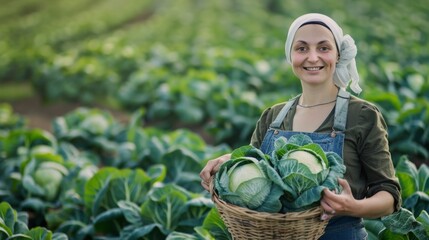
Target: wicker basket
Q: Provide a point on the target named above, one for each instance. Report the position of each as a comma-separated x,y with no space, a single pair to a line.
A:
244,223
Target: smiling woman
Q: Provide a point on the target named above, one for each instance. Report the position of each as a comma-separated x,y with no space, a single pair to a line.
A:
323,60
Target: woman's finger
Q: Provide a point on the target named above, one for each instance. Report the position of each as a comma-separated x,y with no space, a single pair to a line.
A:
208,170
205,185
345,185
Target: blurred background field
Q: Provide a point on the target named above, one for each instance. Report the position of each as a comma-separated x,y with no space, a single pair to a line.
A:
207,67
214,64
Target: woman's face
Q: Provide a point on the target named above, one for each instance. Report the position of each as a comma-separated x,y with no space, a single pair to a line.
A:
314,54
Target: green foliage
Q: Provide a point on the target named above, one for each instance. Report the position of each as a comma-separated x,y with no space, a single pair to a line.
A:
405,106
213,227
399,225
8,119
13,225
414,183
59,178
411,221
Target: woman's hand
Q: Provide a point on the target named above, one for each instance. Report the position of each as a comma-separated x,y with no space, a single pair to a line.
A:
338,204
378,205
211,168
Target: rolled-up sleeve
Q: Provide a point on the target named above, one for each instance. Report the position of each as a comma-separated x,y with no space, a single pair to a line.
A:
375,156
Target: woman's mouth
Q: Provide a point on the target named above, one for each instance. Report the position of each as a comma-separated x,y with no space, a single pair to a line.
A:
313,68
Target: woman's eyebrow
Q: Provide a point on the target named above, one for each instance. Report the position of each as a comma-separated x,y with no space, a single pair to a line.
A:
321,42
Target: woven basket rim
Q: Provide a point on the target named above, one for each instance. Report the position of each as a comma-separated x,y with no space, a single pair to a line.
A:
289,216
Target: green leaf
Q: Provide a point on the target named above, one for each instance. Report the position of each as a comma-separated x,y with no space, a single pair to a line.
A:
296,175
59,236
214,226
423,218
31,186
274,176
401,222
407,174
254,192
181,236
300,140
5,230
183,168
387,234
241,151
110,185
165,206
131,211
20,237
373,228
187,139
96,190
40,233
385,100
272,203
417,202
142,231
424,178
157,172
110,221
8,218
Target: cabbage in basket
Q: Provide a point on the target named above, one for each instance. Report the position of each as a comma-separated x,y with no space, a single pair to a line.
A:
243,182
292,178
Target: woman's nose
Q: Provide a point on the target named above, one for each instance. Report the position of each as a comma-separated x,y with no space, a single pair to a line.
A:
313,56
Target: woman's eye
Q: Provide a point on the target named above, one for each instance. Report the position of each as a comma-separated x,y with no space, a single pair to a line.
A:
324,49
300,49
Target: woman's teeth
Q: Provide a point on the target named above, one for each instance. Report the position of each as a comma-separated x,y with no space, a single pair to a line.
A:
313,68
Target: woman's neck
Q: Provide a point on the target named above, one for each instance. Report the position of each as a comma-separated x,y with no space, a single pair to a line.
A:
311,95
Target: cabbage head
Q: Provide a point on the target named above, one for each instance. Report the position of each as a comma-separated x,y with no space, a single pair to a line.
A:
44,172
303,170
241,181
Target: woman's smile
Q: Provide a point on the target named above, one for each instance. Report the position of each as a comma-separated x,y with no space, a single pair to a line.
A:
313,69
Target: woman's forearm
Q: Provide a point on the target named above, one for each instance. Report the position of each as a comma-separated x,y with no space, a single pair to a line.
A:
380,204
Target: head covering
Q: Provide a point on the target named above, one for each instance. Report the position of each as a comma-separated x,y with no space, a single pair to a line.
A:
346,70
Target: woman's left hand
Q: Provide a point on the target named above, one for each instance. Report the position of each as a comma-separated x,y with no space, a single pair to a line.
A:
338,204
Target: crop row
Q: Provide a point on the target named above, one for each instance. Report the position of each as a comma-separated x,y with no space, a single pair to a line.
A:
94,178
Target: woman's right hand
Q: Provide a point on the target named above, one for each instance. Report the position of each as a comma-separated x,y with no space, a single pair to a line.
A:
211,168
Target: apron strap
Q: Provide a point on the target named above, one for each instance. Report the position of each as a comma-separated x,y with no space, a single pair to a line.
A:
341,108
282,114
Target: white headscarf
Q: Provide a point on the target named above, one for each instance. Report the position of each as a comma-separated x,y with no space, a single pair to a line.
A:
346,67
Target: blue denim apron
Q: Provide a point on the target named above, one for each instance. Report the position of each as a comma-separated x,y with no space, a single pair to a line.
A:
341,227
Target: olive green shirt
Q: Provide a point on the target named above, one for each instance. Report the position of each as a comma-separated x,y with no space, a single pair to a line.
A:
369,167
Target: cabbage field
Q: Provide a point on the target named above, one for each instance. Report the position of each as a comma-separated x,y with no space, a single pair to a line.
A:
176,66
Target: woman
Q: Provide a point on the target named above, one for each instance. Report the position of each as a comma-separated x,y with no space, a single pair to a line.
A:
323,59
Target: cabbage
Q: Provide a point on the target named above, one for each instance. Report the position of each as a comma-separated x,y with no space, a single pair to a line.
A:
308,159
242,174
242,182
49,176
303,170
292,178
96,124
